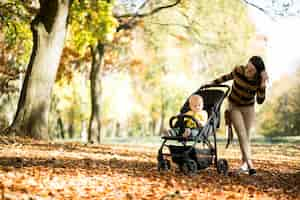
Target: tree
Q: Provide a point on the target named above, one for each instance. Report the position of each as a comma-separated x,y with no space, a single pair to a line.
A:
112,26
94,132
96,28
281,114
92,27
48,30
15,45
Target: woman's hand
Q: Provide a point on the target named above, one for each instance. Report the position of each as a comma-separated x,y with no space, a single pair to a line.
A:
264,78
210,83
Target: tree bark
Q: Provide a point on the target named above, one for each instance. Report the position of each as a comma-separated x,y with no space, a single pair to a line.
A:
49,30
162,117
83,133
71,130
71,122
118,129
61,128
94,134
113,129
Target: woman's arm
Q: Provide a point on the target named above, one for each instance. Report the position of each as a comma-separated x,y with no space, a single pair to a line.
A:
223,78
264,78
261,95
261,91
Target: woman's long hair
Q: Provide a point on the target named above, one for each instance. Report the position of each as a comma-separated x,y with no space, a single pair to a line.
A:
259,65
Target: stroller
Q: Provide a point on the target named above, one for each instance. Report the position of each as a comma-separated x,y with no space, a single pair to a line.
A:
186,155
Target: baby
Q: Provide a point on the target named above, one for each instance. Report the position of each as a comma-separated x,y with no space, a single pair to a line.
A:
196,111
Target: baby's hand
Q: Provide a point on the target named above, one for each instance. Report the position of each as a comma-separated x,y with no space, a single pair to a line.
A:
187,132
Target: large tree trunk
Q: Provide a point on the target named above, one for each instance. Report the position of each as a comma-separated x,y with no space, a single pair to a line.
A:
94,135
49,31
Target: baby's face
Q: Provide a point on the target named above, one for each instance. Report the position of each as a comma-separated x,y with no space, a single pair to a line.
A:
196,104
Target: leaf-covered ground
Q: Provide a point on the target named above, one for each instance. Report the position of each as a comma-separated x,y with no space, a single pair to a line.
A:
37,170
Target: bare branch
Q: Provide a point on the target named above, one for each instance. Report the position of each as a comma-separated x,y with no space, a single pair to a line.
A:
256,6
280,10
144,4
155,10
169,24
260,9
133,20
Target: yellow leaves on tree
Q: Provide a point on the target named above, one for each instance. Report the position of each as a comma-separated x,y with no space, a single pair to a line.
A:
69,62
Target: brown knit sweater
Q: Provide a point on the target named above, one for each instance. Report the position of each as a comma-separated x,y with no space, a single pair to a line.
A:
244,90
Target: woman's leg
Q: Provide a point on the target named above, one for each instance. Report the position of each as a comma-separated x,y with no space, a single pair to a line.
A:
249,119
239,126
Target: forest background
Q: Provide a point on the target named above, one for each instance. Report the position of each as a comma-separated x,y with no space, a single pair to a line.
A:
110,70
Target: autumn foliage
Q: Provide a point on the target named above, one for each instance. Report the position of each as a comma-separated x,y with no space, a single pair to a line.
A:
39,170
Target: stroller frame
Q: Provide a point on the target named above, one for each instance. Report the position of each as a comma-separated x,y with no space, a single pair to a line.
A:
189,158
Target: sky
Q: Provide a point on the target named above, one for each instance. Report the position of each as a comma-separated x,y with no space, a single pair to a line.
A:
283,44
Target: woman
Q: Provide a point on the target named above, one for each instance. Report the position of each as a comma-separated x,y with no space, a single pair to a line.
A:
249,83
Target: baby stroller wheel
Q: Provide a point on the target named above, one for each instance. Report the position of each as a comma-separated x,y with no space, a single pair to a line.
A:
189,167
222,166
163,165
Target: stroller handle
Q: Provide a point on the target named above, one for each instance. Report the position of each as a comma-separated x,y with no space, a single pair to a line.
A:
216,85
